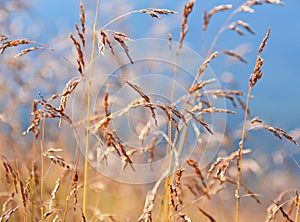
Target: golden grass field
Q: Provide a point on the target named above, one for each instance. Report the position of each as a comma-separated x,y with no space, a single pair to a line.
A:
102,127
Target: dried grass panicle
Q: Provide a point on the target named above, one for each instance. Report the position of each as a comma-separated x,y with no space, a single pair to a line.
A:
102,41
56,159
119,37
8,201
199,86
121,41
7,214
205,64
246,7
243,105
75,187
246,189
146,216
10,171
143,95
80,59
82,17
216,110
228,94
186,12
207,17
56,188
3,37
166,110
13,43
257,123
234,55
197,171
236,29
233,26
155,12
257,73
114,141
25,51
81,35
245,25
222,164
277,2
202,122
25,190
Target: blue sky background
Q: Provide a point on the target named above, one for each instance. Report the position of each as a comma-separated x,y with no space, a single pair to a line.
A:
277,95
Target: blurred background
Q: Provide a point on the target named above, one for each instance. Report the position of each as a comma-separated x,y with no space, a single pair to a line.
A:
276,95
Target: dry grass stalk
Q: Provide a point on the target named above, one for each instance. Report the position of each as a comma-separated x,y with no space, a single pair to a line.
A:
234,55
7,214
257,123
233,26
222,164
146,216
102,41
212,110
257,73
8,201
122,42
13,43
35,121
48,112
236,29
145,132
290,210
175,192
168,113
246,189
205,64
10,171
197,171
246,7
199,86
25,51
118,37
274,209
277,2
243,105
81,35
173,198
56,188
245,25
211,219
69,88
114,141
80,59
82,17
26,190
228,94
155,12
150,149
186,12
3,37
143,95
216,9
202,122
56,159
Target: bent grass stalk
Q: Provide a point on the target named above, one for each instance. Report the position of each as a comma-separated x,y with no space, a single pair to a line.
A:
254,78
